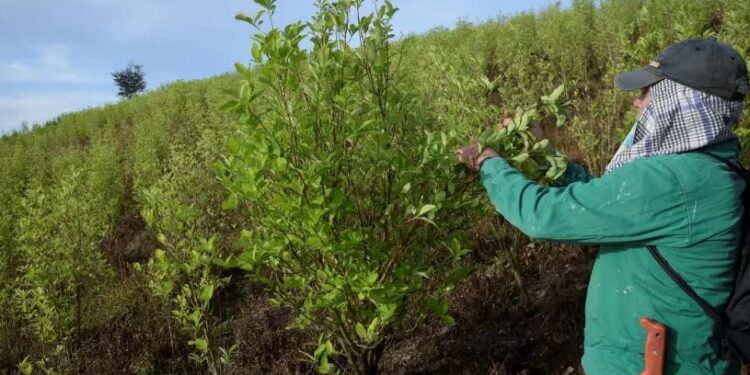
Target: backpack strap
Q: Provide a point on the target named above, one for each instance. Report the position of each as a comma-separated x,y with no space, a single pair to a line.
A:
707,308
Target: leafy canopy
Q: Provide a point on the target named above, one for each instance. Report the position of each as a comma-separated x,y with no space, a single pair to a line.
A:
130,80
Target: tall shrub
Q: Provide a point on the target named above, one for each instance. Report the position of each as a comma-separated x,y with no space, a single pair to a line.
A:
356,205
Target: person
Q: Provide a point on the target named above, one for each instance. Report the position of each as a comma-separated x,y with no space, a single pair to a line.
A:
659,189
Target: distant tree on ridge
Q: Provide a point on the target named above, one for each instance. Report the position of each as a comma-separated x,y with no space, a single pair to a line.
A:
130,80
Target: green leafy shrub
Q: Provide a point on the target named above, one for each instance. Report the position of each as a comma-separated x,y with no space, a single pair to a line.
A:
181,208
356,205
61,270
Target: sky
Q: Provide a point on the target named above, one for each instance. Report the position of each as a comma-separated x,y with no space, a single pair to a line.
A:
56,56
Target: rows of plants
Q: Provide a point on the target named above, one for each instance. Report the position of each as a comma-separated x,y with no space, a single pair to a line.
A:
322,174
68,186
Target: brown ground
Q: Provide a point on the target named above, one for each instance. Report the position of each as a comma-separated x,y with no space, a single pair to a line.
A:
501,330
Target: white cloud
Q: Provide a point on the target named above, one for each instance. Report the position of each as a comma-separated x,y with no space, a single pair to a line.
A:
41,107
51,63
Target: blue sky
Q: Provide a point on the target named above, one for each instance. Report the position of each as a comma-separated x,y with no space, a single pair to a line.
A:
56,56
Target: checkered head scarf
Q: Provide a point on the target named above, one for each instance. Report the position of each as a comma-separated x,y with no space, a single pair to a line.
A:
678,119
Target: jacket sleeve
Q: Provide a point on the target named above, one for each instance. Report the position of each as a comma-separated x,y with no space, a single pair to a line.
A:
639,203
575,173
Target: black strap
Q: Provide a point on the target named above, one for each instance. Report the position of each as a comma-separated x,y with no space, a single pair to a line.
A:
708,309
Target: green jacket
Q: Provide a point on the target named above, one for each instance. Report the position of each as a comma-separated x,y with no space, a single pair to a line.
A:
687,205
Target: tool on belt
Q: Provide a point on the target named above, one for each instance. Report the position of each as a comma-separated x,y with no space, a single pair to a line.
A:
656,345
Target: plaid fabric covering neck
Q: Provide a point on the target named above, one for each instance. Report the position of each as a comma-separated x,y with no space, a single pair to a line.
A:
678,119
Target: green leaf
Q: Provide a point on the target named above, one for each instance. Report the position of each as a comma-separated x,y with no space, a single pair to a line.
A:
541,144
329,347
486,82
200,344
279,165
372,328
439,307
426,209
361,331
521,157
323,366
560,119
267,4
228,105
207,293
243,70
26,367
556,94
513,124
257,53
245,18
552,172
387,311
230,203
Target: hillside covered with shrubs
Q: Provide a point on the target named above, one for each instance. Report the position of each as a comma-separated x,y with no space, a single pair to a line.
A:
306,213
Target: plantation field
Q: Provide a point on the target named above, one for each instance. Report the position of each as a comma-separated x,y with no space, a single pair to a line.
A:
306,214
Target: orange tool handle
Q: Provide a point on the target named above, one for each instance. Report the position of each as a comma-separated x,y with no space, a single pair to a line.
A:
656,344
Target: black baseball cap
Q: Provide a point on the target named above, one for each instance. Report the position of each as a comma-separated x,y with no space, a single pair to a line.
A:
702,64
